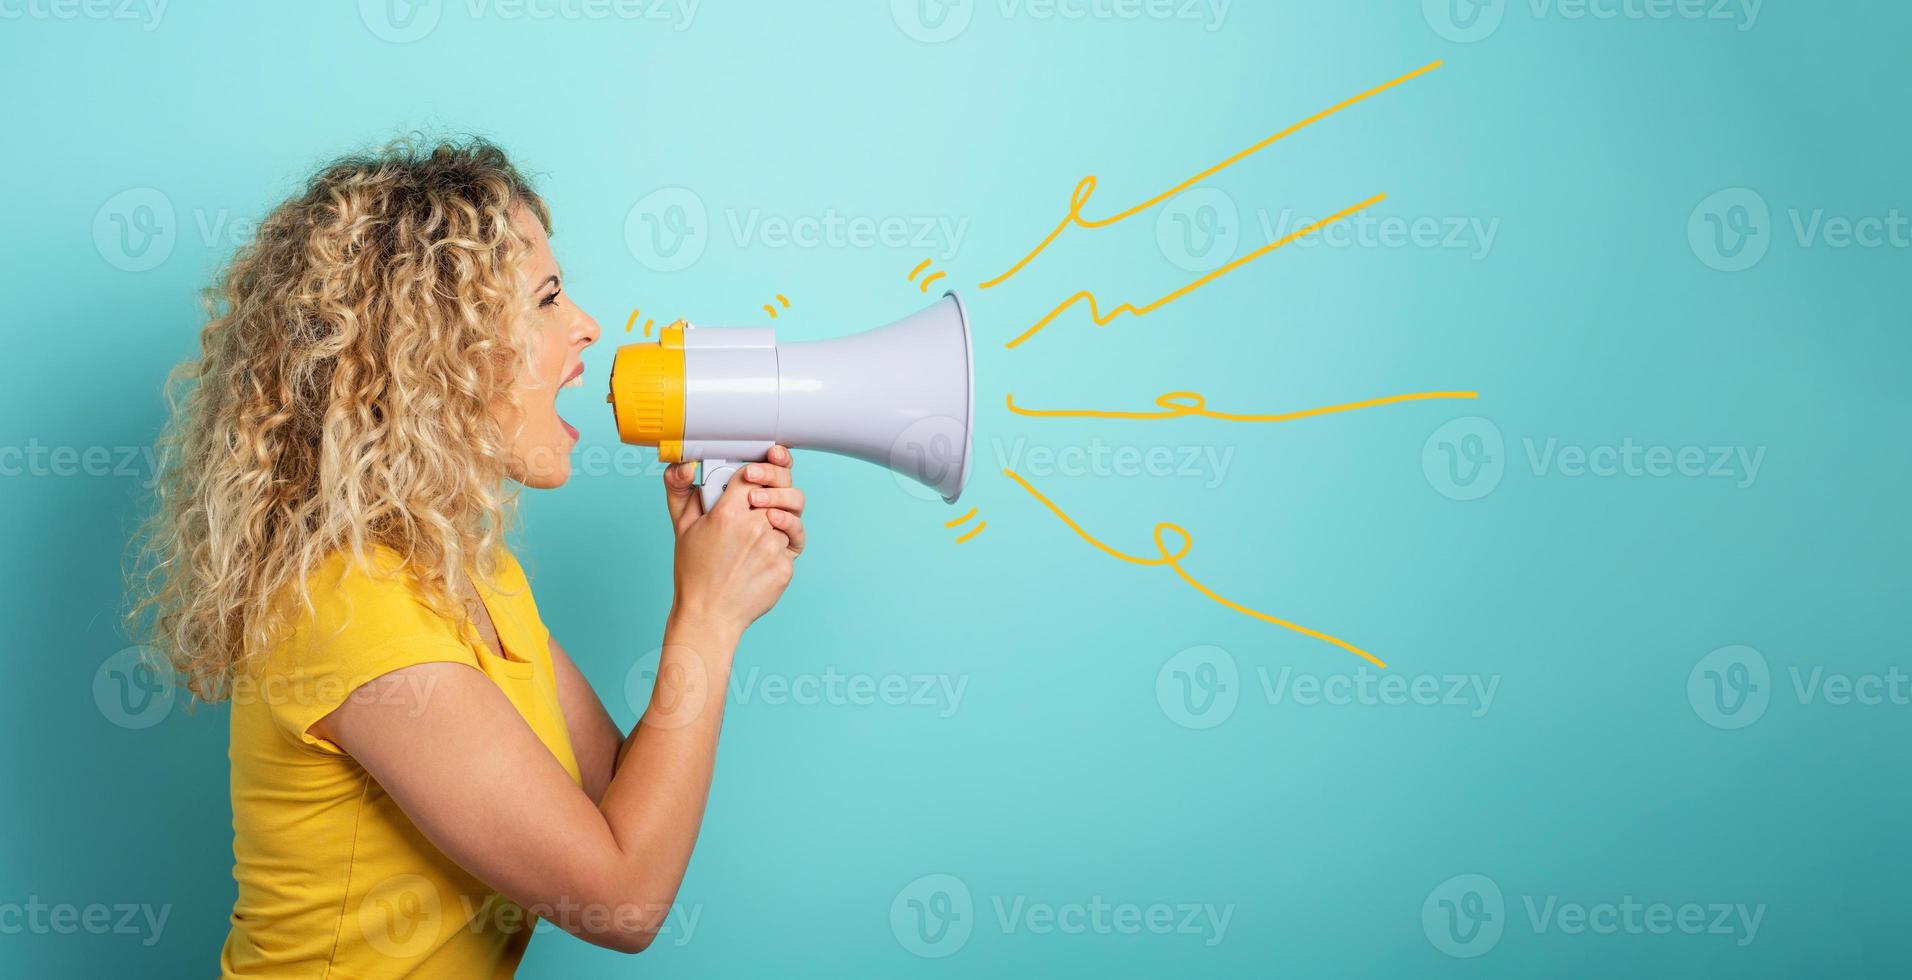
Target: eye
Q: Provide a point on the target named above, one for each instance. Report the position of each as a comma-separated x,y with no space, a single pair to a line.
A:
551,300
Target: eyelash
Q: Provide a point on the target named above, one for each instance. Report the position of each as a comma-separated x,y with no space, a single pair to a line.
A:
551,300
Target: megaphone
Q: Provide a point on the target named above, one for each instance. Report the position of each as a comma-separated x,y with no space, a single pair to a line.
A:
900,396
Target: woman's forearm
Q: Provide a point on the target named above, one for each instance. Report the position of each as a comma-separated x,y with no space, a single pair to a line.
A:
655,803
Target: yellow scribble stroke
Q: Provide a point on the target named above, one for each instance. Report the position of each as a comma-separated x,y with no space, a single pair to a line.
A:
932,277
627,323
959,520
1174,561
1080,196
978,529
1102,319
920,266
1183,404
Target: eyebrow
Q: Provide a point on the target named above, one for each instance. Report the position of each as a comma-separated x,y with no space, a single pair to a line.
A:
548,281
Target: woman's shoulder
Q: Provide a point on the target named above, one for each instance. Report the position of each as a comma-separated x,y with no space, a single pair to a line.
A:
361,617
365,598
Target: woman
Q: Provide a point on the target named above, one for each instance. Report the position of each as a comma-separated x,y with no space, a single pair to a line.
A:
418,768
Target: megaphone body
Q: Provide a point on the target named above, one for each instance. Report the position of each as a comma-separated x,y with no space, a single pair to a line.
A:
900,396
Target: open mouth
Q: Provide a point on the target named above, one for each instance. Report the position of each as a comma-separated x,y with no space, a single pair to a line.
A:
573,380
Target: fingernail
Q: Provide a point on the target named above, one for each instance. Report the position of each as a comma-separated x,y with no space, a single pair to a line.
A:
753,473
760,497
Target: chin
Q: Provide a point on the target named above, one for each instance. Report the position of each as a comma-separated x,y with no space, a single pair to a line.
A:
548,479
545,467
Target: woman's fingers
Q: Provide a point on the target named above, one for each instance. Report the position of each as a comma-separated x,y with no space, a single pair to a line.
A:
791,525
781,498
680,496
767,474
781,456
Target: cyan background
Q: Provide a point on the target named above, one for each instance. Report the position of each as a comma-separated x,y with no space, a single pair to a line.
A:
1594,318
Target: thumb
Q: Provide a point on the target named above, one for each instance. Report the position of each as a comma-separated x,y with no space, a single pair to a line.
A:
681,496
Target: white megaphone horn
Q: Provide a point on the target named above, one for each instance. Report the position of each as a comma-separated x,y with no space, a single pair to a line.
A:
900,396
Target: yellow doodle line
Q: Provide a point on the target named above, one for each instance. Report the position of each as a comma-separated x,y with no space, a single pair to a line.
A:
1182,404
1084,189
767,308
923,287
920,266
1102,319
972,532
1174,561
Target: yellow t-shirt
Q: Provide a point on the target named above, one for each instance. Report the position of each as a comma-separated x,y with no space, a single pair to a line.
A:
334,880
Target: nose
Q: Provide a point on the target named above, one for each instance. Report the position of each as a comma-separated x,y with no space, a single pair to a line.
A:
588,330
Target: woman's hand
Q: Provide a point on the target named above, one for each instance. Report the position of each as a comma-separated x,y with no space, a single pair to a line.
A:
734,562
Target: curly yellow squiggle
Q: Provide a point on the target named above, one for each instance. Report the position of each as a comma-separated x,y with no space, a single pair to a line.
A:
1182,404
1086,187
1101,319
1174,561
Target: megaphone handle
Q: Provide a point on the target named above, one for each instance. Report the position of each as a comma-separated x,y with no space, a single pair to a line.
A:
714,477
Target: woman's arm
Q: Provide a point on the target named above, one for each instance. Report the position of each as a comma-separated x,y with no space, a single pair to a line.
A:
596,740
459,759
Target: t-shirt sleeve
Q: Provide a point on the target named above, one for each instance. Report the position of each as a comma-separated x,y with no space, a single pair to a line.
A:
364,625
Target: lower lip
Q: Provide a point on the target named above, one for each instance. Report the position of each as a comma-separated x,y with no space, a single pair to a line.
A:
567,428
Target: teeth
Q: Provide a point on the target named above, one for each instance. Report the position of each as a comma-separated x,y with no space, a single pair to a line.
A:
577,382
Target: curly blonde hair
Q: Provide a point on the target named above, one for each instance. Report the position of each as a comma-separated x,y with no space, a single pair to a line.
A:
341,401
